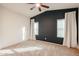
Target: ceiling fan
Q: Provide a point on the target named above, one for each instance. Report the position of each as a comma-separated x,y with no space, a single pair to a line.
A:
38,5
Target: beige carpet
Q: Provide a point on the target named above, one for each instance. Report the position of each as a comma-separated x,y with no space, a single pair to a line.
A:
38,48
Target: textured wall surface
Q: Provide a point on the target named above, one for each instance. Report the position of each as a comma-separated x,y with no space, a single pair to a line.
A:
12,27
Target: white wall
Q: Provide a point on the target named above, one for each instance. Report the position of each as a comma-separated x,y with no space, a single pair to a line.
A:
0,23
12,25
78,26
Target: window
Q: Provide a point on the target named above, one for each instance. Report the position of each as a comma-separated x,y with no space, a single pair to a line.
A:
60,28
36,25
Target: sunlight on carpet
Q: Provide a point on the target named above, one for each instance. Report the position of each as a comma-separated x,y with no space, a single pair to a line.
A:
28,49
7,51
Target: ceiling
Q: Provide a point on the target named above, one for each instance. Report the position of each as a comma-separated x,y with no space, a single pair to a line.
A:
24,8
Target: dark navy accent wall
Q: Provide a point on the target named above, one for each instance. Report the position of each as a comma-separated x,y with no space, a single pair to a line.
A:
48,24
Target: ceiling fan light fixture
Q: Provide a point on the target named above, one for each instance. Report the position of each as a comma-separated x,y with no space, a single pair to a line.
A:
37,4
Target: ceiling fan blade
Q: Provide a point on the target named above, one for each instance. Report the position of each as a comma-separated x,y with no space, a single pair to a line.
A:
39,9
45,6
30,3
32,8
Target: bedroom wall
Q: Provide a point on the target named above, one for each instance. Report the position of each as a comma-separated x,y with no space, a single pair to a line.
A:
78,27
48,26
0,23
51,30
12,27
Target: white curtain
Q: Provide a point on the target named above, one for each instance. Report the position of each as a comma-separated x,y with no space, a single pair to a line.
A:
26,29
32,30
70,37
